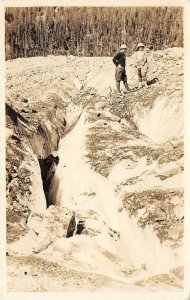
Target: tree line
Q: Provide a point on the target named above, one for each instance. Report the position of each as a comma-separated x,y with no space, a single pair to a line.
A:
89,31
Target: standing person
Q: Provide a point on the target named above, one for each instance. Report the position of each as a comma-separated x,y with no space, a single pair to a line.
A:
120,73
141,63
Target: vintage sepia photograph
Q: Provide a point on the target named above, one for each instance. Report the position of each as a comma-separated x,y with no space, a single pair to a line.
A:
94,148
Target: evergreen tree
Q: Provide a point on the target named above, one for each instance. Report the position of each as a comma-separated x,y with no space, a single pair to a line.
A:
87,31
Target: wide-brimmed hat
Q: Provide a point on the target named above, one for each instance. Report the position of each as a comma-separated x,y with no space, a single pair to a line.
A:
123,46
140,45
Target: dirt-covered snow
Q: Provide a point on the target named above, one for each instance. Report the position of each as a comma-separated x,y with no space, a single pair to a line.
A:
120,172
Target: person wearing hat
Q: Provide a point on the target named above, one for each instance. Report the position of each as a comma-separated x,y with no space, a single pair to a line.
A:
120,73
141,63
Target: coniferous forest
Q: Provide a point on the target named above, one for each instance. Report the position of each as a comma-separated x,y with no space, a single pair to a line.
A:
89,31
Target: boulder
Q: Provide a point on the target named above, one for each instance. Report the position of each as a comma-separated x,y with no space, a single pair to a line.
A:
179,212
177,142
165,171
176,201
171,172
175,231
160,215
54,226
34,222
109,116
168,147
77,83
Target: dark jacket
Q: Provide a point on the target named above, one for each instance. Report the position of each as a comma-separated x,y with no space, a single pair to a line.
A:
119,59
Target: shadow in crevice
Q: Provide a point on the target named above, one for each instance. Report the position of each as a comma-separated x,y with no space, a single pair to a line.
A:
79,227
71,226
48,166
152,81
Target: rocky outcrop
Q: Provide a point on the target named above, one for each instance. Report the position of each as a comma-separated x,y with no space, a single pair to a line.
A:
33,133
163,209
40,125
52,225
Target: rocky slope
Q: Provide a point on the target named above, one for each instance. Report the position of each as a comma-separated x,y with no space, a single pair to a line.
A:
105,172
